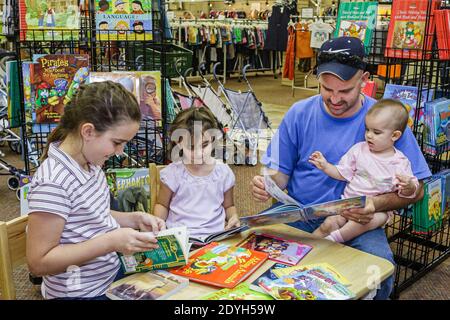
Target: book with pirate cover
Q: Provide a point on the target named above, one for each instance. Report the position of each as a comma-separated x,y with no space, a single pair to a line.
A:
221,265
55,79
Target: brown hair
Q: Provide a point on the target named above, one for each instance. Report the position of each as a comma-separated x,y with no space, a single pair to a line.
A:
187,118
398,113
103,104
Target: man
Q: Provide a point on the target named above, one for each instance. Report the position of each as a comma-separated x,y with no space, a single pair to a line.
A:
332,122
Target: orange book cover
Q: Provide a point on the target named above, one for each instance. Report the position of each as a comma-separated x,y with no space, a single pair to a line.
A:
221,265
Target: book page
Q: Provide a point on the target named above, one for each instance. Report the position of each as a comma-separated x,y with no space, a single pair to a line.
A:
275,191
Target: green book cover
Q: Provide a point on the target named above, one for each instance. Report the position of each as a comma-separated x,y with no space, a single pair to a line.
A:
169,254
131,188
434,212
357,19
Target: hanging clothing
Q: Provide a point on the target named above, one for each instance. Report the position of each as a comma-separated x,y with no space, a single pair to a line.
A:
320,32
288,69
277,34
302,41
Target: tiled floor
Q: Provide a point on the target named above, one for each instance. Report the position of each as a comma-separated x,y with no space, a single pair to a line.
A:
276,101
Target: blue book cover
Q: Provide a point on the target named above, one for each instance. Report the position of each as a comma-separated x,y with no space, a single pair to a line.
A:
408,95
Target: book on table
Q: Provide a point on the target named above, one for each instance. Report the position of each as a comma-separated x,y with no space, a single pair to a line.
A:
152,285
215,237
221,265
280,250
173,251
292,211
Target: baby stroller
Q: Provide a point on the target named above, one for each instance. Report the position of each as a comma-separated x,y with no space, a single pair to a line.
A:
249,127
204,95
210,98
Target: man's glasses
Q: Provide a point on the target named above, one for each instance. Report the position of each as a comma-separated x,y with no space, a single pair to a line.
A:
340,57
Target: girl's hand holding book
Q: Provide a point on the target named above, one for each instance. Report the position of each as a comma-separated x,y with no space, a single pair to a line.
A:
149,222
128,241
233,222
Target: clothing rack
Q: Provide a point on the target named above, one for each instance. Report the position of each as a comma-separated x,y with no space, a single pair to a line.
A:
221,23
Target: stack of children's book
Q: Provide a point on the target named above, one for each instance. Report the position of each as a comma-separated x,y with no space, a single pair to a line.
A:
304,282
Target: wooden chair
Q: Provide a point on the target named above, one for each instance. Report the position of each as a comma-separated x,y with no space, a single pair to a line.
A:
12,253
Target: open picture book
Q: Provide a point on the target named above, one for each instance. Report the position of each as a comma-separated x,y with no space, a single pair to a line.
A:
218,236
173,251
292,211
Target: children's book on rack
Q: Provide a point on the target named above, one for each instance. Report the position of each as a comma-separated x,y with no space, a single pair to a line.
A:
221,265
357,19
370,88
445,178
310,284
49,20
145,85
427,213
437,126
442,19
217,236
54,80
407,37
173,251
124,20
280,250
240,292
152,285
408,95
132,187
291,210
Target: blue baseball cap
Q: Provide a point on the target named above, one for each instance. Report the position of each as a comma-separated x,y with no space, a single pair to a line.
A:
342,57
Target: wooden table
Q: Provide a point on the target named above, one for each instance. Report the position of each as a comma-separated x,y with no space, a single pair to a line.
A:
357,266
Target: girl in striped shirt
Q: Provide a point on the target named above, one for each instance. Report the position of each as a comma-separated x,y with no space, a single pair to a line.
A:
73,236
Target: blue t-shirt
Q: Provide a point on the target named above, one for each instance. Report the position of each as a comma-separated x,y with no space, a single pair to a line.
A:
307,127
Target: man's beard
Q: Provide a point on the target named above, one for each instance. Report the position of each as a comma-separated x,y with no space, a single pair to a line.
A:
139,31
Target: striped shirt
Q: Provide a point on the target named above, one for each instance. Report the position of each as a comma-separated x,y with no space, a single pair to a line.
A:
62,187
